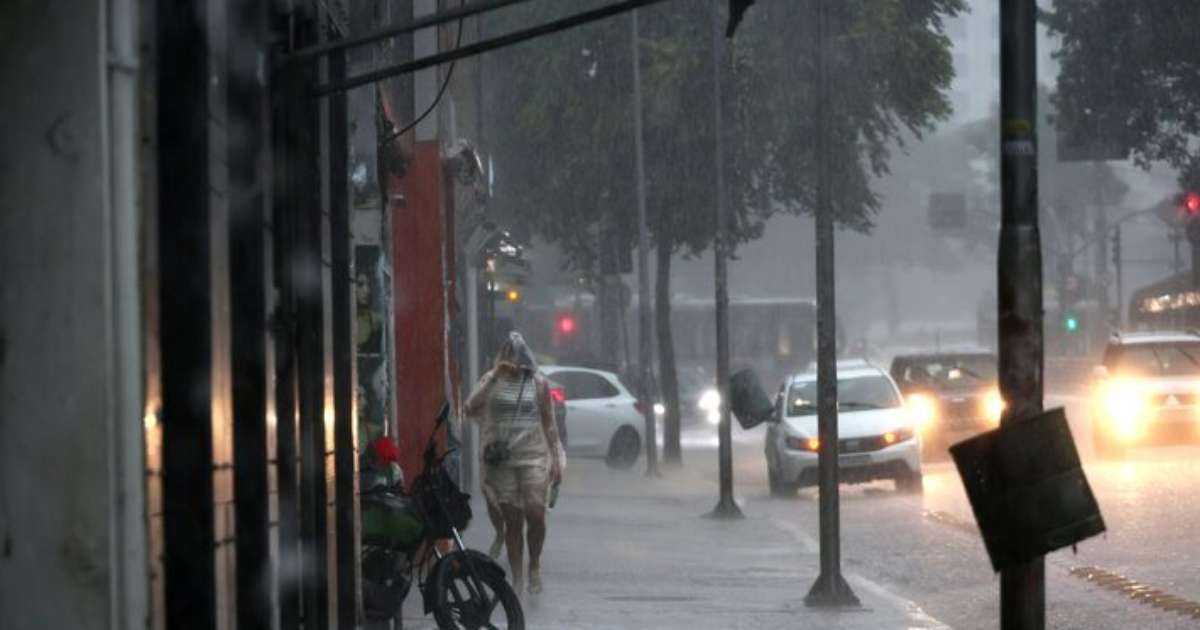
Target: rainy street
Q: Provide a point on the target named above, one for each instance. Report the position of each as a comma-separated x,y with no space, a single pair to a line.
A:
916,562
926,549
599,314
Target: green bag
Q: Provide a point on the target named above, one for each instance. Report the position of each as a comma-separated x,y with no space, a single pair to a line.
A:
390,520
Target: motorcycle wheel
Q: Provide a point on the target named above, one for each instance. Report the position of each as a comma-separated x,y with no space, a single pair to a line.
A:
457,604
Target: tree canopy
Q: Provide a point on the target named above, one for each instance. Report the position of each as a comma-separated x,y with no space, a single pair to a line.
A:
563,129
889,66
1131,77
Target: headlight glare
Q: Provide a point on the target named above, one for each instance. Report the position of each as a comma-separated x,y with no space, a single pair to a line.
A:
994,406
710,400
922,410
1124,403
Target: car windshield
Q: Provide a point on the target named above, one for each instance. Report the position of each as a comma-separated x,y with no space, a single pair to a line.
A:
693,380
854,394
1179,359
955,370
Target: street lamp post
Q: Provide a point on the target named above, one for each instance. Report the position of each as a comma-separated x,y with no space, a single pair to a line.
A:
726,506
645,349
830,589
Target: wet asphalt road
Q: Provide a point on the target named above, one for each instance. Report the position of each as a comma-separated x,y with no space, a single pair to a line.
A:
925,549
628,552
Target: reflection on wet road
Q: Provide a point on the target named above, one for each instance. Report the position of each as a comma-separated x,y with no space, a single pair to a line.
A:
926,549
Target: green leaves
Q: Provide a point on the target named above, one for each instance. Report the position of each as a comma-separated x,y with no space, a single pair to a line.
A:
561,116
1131,75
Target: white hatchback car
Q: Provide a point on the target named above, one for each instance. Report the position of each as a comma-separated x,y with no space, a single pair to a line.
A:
603,419
876,435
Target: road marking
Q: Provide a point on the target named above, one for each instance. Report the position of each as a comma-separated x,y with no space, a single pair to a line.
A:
807,543
1138,592
1108,580
918,619
1069,398
952,521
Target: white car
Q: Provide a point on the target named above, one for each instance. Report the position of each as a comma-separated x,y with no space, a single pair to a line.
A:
1146,392
603,419
877,438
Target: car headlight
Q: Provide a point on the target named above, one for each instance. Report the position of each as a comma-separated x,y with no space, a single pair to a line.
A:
994,406
796,443
659,409
922,411
710,400
1123,403
899,435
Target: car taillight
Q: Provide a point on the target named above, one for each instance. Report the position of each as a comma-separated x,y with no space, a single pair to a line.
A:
641,408
558,395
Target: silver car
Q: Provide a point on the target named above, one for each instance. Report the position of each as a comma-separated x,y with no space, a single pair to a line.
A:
877,435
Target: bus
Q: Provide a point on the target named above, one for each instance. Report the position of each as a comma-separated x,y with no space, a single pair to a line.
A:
775,336
1172,303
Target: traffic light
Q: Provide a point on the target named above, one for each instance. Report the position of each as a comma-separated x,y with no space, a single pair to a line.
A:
1116,247
1071,323
1191,203
513,295
567,325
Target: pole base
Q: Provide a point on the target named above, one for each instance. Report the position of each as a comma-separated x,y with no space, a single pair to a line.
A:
726,509
831,591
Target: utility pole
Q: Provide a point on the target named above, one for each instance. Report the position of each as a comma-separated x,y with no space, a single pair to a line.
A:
726,506
1120,276
1101,259
645,347
1019,275
831,588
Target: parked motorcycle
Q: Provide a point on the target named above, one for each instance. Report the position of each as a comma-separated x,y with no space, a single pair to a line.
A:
404,537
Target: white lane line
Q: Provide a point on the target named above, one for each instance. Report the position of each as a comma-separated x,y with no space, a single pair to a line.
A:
808,544
1069,398
918,619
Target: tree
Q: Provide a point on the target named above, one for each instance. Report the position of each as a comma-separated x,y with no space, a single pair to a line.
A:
1130,75
889,65
564,137
564,142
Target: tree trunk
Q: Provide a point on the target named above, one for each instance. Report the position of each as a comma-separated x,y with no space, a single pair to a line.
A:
668,378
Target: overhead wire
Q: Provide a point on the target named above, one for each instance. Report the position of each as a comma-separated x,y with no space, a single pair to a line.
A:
437,99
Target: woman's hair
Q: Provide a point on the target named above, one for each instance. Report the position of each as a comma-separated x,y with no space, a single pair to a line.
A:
515,353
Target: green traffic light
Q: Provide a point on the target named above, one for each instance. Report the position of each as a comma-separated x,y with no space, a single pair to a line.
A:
1071,324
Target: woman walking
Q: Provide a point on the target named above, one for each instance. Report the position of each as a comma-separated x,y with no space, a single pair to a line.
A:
522,454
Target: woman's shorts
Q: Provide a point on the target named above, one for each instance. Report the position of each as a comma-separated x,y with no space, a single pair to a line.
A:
515,485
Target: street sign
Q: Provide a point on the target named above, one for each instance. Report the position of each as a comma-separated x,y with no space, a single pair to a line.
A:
1027,488
947,211
1084,142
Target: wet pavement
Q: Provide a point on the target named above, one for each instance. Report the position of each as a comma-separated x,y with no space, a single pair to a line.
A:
625,551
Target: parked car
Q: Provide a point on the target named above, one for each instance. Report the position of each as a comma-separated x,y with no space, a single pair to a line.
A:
602,417
953,395
877,438
1147,391
699,399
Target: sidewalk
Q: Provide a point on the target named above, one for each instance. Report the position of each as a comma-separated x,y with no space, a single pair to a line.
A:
625,551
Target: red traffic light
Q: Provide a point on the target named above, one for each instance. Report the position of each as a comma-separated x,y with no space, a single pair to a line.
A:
566,325
1191,203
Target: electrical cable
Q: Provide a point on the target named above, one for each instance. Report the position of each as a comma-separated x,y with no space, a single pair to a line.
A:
437,99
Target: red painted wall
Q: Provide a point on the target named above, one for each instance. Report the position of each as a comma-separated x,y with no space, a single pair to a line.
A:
417,262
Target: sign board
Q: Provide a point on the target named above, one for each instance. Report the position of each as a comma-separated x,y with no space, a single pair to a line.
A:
1085,141
947,211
